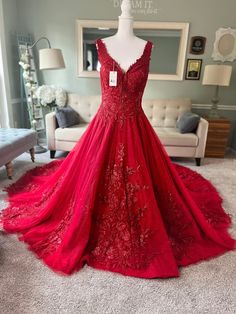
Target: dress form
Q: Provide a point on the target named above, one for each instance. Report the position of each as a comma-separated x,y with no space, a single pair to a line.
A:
124,47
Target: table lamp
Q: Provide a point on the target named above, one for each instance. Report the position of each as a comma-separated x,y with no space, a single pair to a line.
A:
218,75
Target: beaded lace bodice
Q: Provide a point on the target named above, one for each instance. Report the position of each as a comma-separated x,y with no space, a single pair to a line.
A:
124,100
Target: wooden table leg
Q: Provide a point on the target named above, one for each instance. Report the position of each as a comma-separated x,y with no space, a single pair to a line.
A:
32,154
9,167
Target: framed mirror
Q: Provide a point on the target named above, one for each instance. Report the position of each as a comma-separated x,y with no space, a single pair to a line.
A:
225,45
168,55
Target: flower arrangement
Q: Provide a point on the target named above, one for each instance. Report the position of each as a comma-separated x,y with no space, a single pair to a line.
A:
51,96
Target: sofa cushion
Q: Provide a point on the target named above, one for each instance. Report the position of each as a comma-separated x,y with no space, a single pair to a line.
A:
70,134
165,112
168,136
67,117
188,122
86,106
173,137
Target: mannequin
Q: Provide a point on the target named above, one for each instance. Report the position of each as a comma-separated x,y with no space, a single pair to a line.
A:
124,47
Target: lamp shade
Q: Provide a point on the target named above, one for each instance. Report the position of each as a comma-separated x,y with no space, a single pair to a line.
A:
217,74
51,58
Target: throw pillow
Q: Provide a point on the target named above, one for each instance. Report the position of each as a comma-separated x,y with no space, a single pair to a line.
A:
66,117
188,122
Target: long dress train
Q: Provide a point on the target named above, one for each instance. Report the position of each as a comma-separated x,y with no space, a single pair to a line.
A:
117,202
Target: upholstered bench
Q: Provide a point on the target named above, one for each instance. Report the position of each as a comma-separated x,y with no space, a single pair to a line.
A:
14,142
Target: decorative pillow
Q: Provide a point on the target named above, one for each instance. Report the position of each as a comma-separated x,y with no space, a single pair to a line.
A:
66,117
188,122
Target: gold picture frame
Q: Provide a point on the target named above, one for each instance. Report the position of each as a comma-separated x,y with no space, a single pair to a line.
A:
193,69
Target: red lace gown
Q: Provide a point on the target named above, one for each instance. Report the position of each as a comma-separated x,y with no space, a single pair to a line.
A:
116,202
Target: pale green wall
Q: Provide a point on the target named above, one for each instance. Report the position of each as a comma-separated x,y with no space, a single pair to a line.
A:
56,20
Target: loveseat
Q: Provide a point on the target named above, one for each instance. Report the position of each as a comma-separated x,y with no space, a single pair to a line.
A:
162,114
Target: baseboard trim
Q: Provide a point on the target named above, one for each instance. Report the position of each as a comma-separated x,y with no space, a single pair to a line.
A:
225,107
220,107
201,106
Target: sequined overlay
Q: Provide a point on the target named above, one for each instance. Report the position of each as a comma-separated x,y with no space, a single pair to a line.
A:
55,238
209,205
119,237
178,226
15,213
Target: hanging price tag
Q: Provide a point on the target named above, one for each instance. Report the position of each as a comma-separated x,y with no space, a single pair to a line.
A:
113,78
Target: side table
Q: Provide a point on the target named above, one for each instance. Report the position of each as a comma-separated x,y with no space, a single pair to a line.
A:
217,138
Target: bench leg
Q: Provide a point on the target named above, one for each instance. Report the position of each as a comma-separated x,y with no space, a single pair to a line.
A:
9,167
32,152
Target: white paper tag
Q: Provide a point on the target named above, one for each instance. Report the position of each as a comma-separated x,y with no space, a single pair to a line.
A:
113,78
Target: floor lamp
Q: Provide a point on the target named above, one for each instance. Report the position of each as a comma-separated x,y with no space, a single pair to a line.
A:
49,59
218,75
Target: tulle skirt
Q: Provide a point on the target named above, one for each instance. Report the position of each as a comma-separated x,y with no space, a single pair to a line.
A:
118,203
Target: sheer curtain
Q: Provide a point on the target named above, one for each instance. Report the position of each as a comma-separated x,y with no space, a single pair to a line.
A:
4,113
5,99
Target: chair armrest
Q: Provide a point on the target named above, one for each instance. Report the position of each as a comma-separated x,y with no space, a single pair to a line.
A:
51,126
201,133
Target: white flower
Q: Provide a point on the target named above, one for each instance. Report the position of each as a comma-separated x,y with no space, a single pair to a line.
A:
28,84
46,94
26,66
26,75
51,95
61,97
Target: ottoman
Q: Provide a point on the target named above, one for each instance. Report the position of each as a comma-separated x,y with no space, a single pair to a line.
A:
14,142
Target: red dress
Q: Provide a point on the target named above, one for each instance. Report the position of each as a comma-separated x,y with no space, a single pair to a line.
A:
116,202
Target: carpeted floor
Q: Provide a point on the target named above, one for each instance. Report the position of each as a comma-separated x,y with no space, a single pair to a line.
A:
28,287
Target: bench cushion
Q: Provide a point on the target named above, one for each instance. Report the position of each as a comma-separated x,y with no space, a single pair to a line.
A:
14,142
70,134
168,136
173,137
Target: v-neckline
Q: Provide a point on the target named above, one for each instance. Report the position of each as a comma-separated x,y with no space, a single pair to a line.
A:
118,64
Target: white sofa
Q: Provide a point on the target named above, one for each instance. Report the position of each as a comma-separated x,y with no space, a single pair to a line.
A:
162,114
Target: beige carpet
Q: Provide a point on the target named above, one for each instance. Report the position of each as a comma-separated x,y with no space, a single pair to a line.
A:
28,287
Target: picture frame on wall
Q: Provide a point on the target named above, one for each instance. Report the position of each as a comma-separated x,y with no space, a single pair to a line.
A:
197,45
193,69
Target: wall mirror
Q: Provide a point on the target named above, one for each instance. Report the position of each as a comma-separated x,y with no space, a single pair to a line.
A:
168,55
225,45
